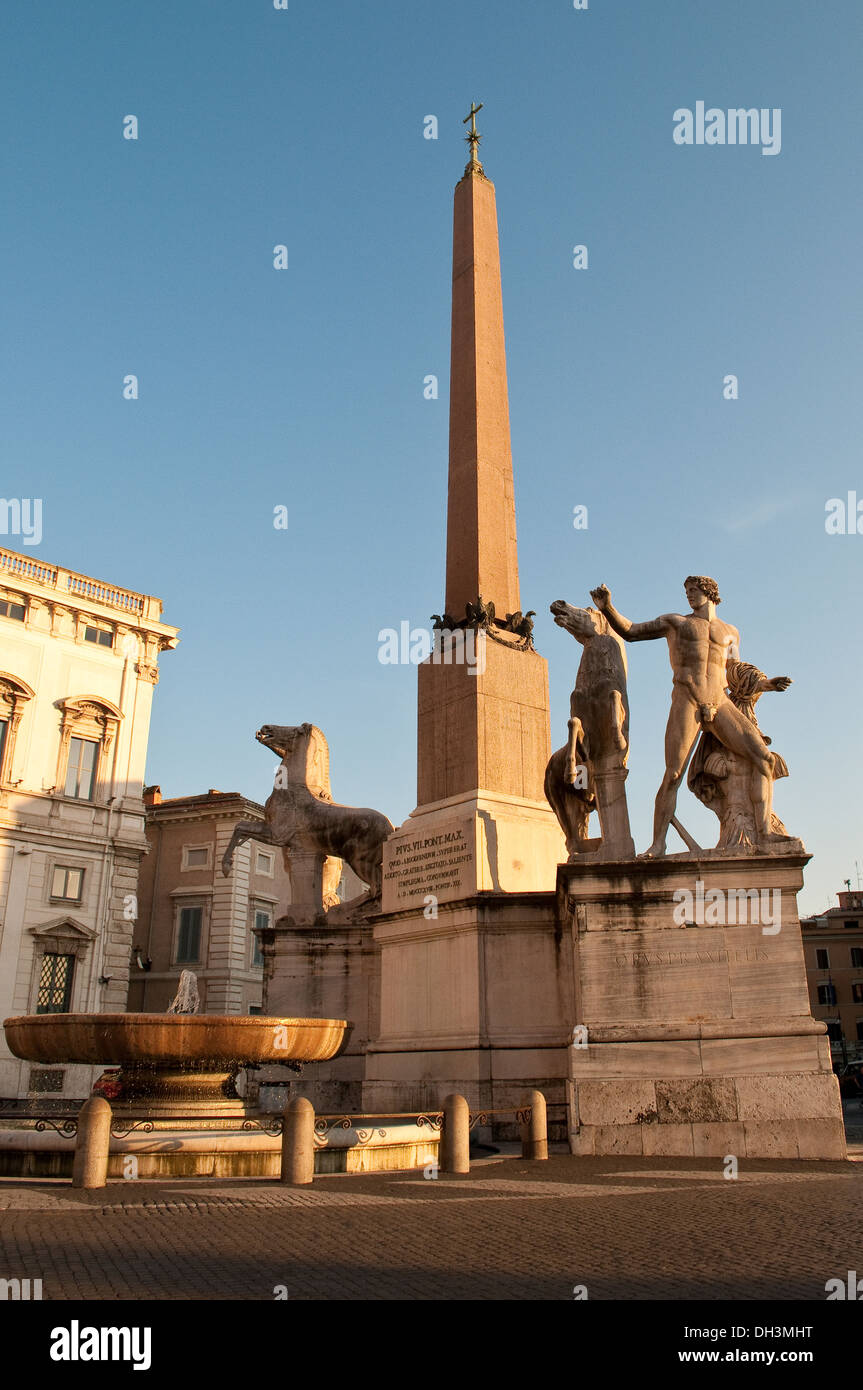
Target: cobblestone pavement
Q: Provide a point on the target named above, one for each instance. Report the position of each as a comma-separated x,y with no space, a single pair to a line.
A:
625,1228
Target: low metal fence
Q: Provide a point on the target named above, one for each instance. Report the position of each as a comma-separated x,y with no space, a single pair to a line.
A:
365,1132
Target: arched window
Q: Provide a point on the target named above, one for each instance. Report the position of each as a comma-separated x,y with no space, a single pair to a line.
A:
87,732
14,694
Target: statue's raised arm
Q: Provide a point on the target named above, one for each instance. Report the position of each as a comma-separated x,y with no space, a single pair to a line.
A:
631,632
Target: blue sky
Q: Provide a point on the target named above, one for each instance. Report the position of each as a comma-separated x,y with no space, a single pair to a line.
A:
305,387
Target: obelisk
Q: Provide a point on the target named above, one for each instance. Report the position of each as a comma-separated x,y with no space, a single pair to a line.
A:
483,725
481,555
466,940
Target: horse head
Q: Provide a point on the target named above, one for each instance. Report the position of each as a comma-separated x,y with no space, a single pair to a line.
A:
583,623
305,743
282,738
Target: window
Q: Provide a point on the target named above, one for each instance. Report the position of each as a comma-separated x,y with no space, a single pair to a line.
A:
81,768
263,921
264,863
189,935
822,958
851,925
196,856
66,883
14,695
255,1009
857,957
102,636
12,610
86,720
834,1030
857,992
860,1030
55,984
826,994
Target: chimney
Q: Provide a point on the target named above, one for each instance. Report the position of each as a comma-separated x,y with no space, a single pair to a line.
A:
152,796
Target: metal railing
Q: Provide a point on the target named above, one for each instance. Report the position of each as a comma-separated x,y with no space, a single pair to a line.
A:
123,1125
325,1124
66,1125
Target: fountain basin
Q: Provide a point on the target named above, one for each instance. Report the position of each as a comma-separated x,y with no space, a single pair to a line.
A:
175,1061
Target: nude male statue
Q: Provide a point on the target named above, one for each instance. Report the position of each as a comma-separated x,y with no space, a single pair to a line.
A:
699,644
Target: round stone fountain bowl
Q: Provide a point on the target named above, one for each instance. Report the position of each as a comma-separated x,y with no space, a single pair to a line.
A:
175,1060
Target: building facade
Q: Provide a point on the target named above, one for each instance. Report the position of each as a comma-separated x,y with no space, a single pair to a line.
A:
78,667
192,916
833,947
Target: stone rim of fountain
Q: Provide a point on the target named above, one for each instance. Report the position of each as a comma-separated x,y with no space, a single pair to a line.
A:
191,1067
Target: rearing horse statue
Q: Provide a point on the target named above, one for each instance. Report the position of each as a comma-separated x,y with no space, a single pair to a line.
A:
301,813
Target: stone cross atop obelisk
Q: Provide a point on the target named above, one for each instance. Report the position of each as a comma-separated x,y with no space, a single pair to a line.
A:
481,558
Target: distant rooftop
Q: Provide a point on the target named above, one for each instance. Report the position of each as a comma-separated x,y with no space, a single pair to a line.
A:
850,903
153,798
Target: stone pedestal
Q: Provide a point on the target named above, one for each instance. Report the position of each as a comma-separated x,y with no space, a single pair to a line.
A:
699,1036
310,971
478,1000
475,843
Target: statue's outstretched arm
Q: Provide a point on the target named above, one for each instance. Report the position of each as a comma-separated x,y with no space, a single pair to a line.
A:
632,632
637,632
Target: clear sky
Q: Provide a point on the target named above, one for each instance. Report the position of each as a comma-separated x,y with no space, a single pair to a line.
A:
304,387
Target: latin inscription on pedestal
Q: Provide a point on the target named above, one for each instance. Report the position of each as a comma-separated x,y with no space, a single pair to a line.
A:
435,864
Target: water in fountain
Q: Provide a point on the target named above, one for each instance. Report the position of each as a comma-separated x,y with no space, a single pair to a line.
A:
187,999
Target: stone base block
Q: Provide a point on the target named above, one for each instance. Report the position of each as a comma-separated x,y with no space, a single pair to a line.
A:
782,1116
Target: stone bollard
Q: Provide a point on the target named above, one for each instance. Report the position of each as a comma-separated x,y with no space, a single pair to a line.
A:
90,1167
455,1137
534,1132
298,1142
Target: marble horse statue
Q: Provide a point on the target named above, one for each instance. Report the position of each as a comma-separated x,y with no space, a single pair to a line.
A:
590,771
302,817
